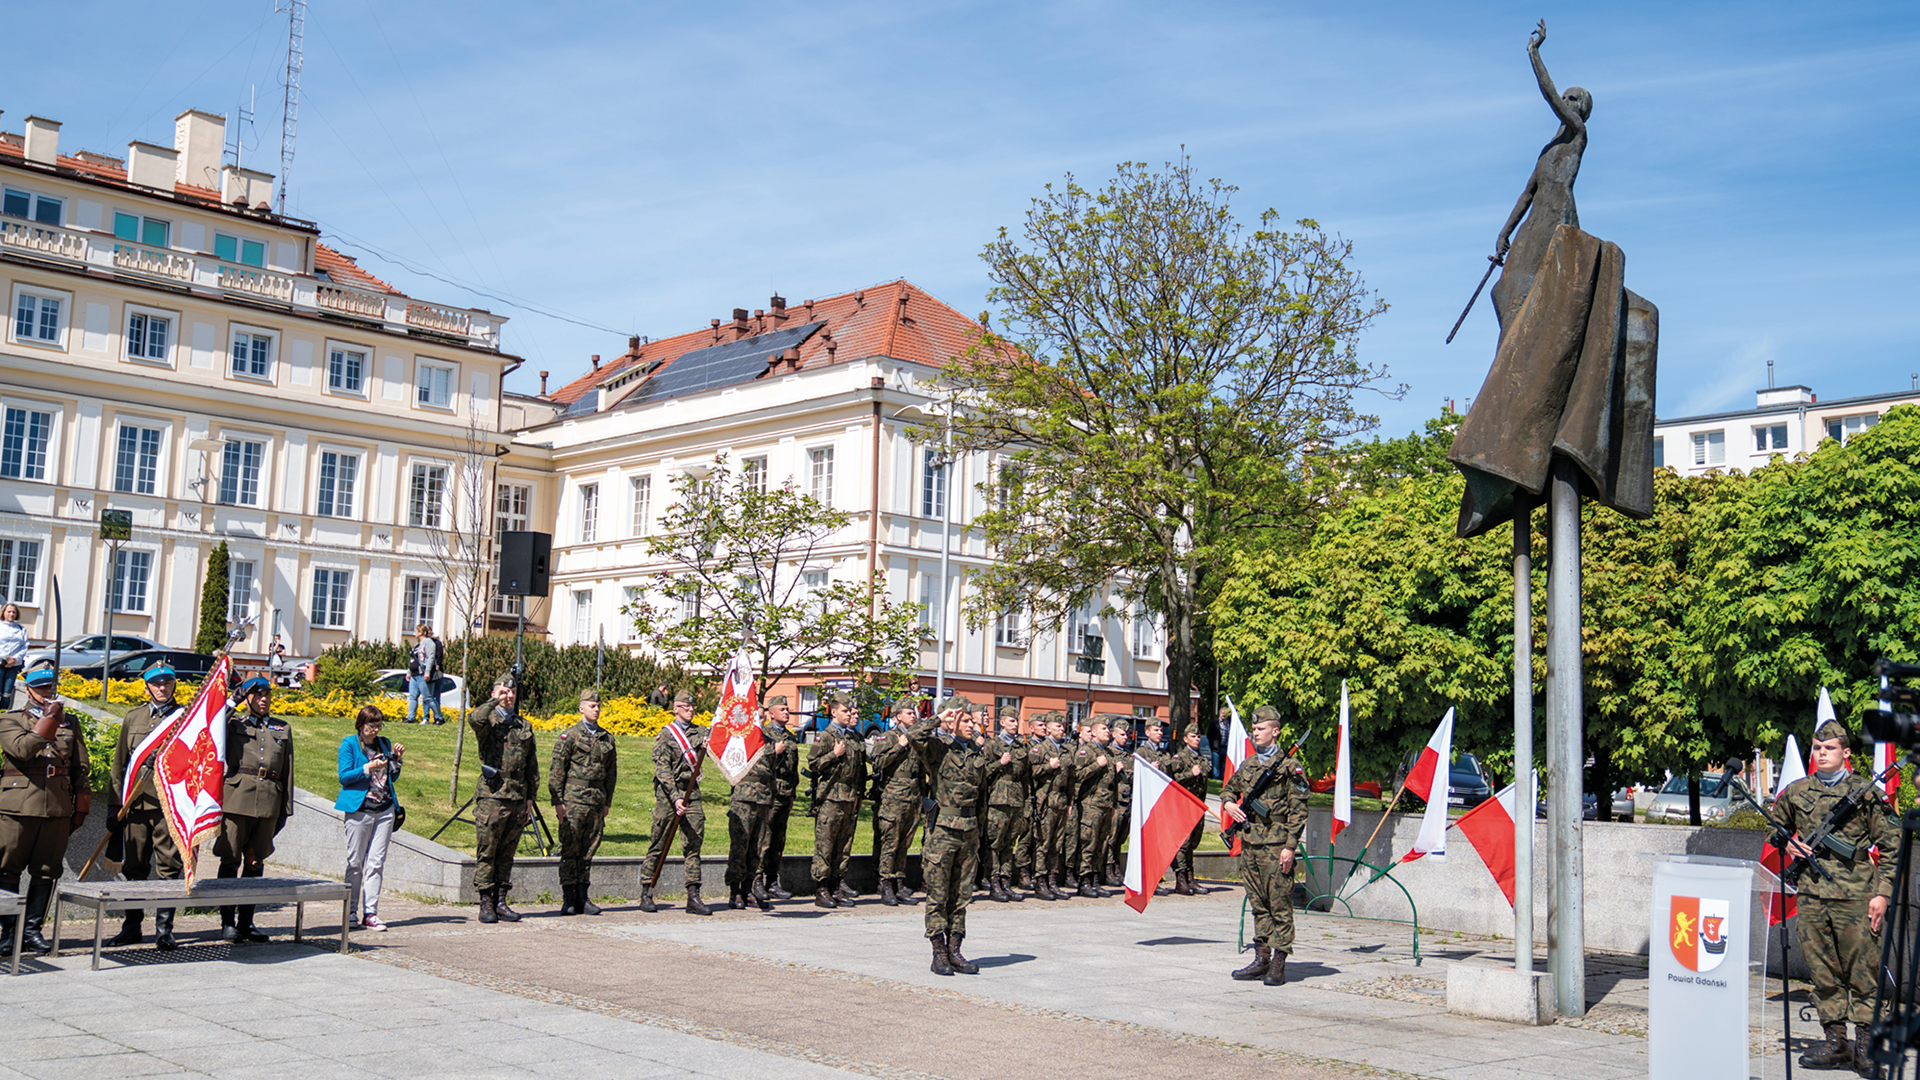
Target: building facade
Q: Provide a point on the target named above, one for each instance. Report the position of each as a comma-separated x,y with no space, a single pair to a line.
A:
1786,420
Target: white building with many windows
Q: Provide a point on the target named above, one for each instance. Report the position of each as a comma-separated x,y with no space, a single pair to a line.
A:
1786,420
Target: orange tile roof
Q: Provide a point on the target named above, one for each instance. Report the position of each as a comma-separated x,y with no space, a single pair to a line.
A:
113,170
897,319
344,270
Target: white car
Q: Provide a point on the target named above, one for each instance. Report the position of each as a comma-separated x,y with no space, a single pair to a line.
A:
90,650
393,683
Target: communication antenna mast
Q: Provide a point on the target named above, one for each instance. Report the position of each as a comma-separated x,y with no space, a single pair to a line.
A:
290,104
237,131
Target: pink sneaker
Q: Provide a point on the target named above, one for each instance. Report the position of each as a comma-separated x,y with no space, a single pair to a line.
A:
373,923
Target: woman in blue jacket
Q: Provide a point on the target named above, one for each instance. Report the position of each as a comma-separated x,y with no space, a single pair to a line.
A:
369,765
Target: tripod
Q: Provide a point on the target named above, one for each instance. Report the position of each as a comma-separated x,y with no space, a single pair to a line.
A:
1895,1022
542,838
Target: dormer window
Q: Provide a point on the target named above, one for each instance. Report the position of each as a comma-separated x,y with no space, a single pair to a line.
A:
141,230
232,249
25,204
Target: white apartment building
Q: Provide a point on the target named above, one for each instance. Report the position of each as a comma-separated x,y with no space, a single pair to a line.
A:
1785,420
174,349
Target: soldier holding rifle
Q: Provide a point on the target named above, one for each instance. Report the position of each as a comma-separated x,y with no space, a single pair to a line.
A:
677,752
1191,770
1267,798
897,776
1009,775
781,728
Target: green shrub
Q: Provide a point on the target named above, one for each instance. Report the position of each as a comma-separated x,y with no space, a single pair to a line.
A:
354,677
553,678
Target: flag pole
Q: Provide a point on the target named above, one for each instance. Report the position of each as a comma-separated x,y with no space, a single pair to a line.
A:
1383,817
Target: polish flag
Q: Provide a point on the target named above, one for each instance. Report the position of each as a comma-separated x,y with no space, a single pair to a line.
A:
1884,754
1489,828
190,768
1239,745
1163,816
1429,781
1342,775
736,741
1792,766
149,746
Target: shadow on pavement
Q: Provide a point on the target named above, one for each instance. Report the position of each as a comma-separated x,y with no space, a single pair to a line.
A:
1003,961
1181,941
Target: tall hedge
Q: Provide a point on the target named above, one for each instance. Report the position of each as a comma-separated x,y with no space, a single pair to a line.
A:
554,676
214,602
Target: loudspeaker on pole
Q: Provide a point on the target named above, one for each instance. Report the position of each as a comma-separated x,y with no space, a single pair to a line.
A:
523,563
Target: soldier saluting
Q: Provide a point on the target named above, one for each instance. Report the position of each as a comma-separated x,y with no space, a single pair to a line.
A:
257,799
503,799
44,796
146,844
957,769
586,766
1268,796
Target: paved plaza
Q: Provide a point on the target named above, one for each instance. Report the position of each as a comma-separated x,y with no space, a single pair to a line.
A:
1085,986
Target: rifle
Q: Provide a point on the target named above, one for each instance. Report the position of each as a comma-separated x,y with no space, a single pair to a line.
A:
688,796
1250,802
1306,735
1823,836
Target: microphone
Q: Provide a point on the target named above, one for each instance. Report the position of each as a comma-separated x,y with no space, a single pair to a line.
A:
1732,769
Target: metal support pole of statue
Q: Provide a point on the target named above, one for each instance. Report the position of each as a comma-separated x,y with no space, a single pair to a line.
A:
1523,792
1566,926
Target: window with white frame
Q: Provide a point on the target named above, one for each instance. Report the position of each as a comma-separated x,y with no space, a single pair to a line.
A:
331,590
433,384
19,571
930,598
1006,484
1659,452
240,472
1146,632
815,584
583,616
1768,437
1002,701
589,513
39,317
1845,428
1080,624
131,572
251,354
233,249
426,496
820,474
1709,448
510,502
753,474
690,602
933,484
640,505
334,487
138,229
149,335
346,370
136,462
1007,628
32,206
1076,713
240,576
419,603
630,597
24,436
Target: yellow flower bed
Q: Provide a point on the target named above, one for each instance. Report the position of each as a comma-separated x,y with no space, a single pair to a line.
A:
622,716
123,691
338,705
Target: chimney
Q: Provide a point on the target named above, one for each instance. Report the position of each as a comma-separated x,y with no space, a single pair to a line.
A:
633,345
42,139
199,138
809,307
244,187
827,340
739,323
778,303
543,384
792,357
152,166
716,330
903,307
596,361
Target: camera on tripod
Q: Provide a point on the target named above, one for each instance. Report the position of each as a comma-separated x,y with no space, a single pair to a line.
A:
1897,720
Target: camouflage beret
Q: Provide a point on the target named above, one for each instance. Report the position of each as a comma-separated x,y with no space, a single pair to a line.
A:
684,697
589,695
840,697
508,681
955,702
775,699
1833,729
1266,713
1155,721
1100,720
1008,712
906,704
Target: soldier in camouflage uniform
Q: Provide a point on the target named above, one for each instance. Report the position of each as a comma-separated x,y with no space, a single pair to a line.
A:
749,814
1273,823
676,800
781,728
1117,835
580,783
256,800
146,843
1026,832
1191,770
1840,920
1009,776
1052,763
957,770
1094,774
838,761
44,796
503,799
897,775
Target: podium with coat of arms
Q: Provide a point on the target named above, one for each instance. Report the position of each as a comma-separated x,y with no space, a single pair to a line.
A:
1706,965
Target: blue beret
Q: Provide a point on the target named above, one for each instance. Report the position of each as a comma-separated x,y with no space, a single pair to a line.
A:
160,670
252,686
40,675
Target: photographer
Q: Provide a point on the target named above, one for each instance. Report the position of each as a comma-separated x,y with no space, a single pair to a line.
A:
1840,918
369,766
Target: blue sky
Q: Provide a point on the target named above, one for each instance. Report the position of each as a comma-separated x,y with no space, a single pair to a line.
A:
646,167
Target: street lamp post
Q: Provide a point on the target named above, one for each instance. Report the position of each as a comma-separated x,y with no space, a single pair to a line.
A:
946,539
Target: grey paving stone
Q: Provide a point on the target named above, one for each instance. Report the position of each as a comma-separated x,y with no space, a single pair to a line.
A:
178,1034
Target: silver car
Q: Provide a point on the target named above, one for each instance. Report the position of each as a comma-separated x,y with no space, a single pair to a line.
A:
88,650
1670,805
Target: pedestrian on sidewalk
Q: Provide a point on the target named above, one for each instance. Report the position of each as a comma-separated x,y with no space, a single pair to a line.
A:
13,652
423,676
369,765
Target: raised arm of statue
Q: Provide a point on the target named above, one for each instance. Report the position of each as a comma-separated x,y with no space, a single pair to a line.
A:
1564,106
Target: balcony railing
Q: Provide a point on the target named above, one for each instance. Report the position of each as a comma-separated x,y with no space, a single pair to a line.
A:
346,301
44,240
153,262
263,283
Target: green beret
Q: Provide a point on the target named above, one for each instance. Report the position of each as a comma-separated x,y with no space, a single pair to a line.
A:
684,697
589,695
955,702
1265,713
775,699
1008,712
1832,729
840,697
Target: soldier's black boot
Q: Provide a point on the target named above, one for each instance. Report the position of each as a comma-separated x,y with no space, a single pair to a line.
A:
243,926
1042,888
1832,1054
486,907
1024,879
646,900
129,930
1088,889
886,893
901,892
587,907
760,893
774,888
163,930
227,933
997,889
39,891
1862,1062
568,906
942,965
1276,969
736,899
844,892
694,906
960,963
823,898
1262,957
500,908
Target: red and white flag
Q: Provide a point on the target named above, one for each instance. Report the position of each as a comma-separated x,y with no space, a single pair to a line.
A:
1429,780
1164,814
1792,767
1239,745
190,768
148,747
736,740
1342,774
1884,755
1489,828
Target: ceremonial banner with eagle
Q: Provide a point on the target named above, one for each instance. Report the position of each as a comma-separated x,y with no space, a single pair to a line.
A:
736,740
190,767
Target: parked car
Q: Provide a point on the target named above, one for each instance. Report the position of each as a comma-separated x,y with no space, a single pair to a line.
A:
1589,807
393,683
1670,805
91,649
1468,782
189,666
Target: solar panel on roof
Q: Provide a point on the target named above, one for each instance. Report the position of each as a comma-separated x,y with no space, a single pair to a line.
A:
720,365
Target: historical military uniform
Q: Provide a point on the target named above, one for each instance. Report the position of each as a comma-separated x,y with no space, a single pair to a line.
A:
1009,775
1841,950
1117,822
255,802
842,780
1180,764
580,783
749,813
957,771
1094,775
676,775
1272,826
786,785
901,780
1053,787
145,842
44,796
503,801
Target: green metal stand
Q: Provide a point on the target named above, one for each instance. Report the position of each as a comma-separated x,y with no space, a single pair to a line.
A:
1335,897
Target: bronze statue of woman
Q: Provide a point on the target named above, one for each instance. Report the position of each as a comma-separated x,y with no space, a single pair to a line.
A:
1547,201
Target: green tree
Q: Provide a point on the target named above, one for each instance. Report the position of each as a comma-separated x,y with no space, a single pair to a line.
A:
214,603
1161,371
747,564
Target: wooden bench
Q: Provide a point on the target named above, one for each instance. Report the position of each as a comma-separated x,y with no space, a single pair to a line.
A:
11,904
108,897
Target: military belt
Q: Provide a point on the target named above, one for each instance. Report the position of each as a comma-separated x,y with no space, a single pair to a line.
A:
264,774
37,770
958,811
